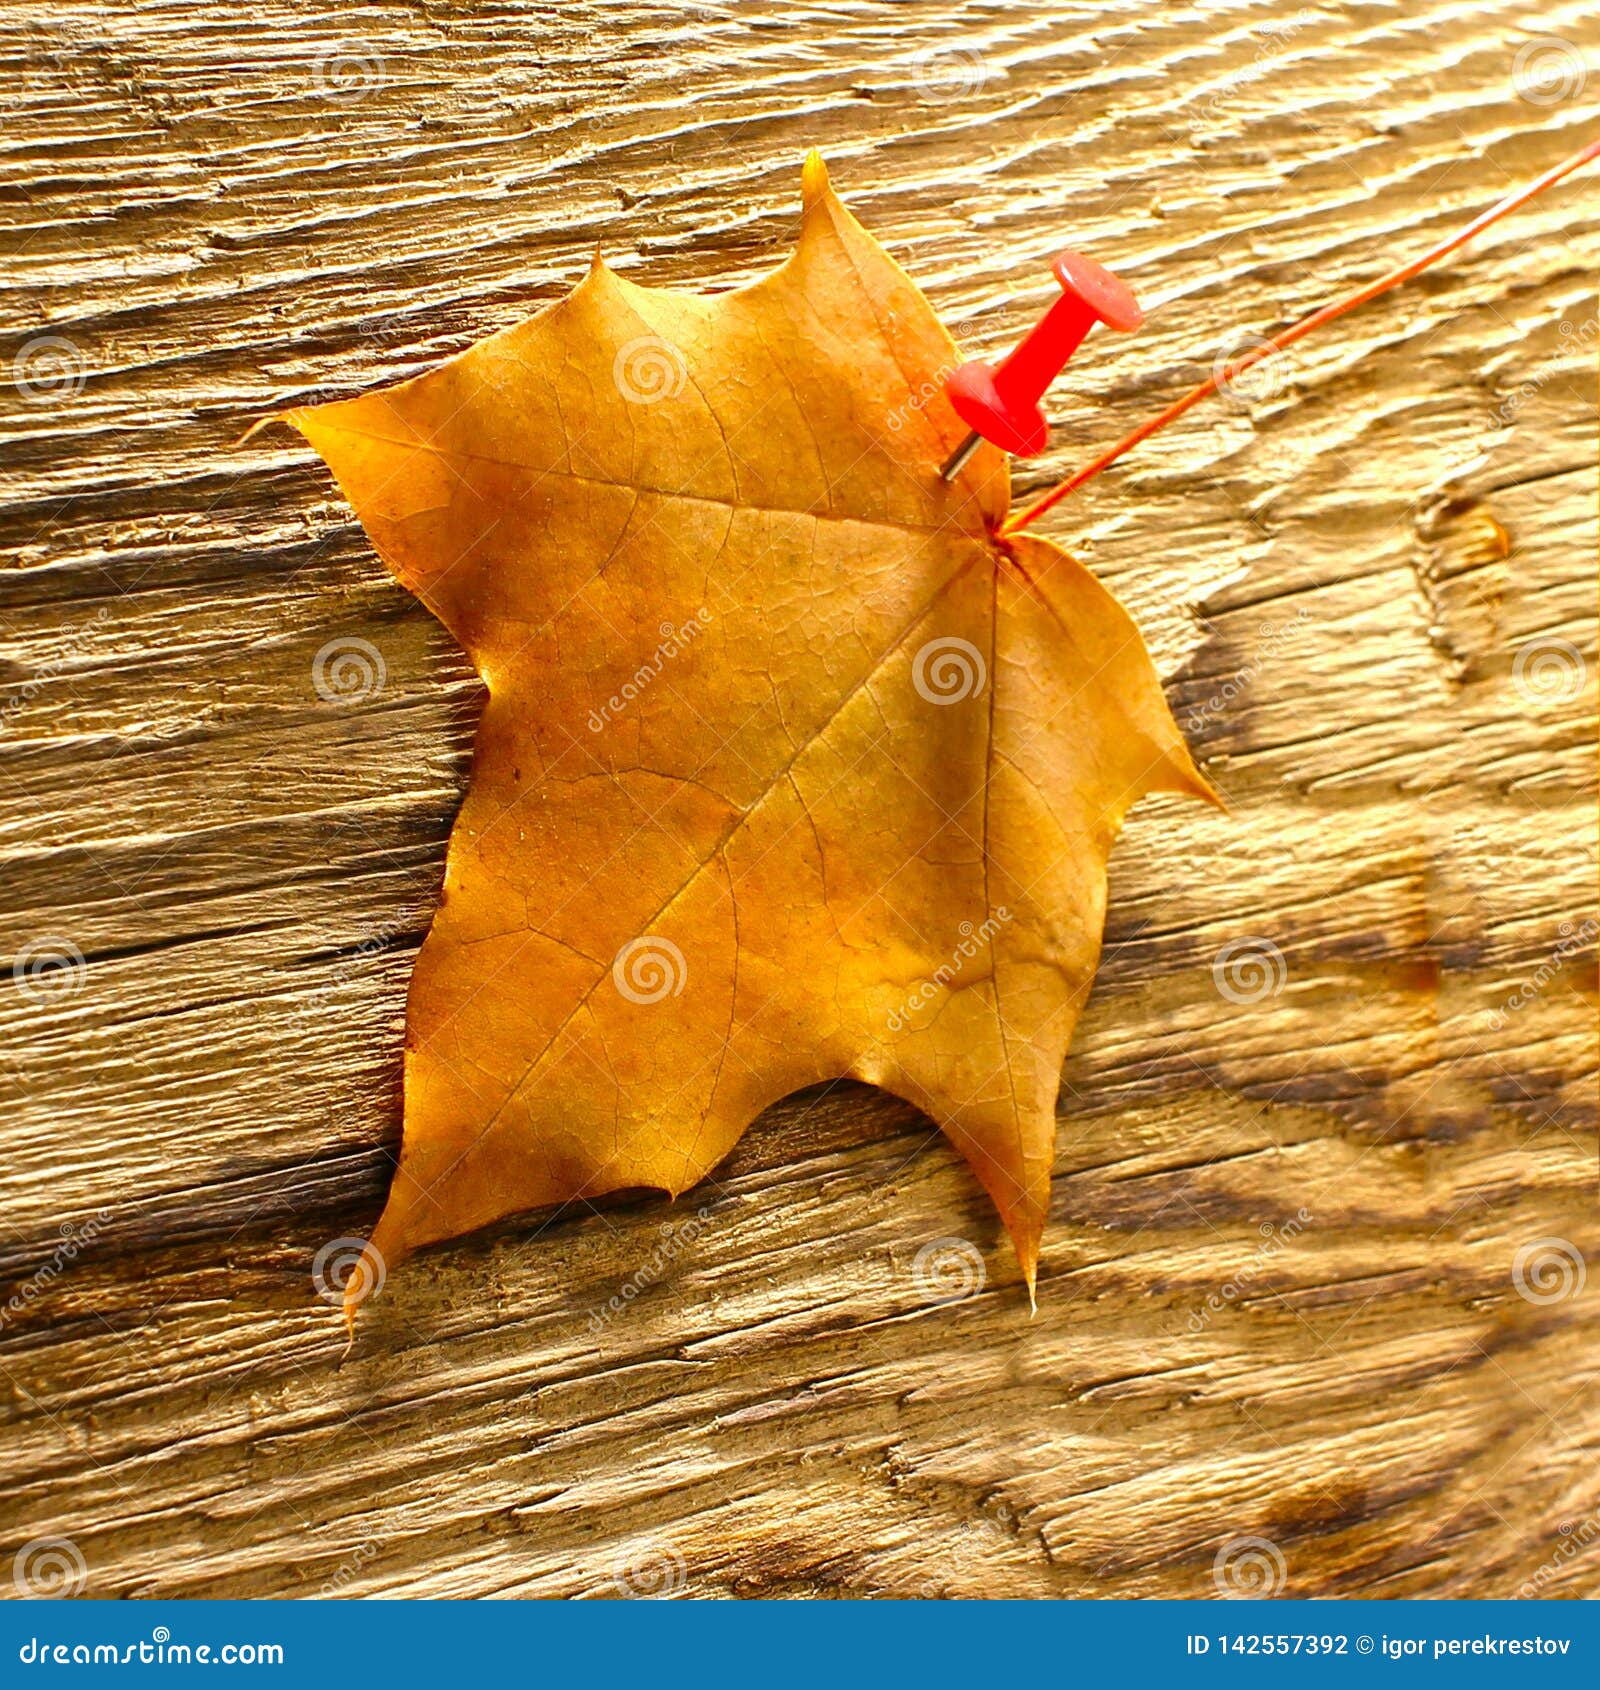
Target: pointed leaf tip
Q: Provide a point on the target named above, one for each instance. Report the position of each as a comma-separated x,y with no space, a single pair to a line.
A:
260,423
366,1280
813,180
1030,1276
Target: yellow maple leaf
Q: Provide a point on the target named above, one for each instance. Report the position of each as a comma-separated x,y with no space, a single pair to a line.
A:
791,768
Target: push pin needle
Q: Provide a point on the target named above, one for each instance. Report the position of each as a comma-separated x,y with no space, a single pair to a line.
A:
1001,404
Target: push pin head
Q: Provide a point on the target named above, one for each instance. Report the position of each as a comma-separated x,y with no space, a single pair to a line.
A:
1001,404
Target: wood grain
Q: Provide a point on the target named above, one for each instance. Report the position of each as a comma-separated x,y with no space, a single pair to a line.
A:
1278,1296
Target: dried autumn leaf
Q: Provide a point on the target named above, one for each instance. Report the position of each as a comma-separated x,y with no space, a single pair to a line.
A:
790,767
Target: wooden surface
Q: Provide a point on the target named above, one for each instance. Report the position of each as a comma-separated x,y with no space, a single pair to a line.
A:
1369,584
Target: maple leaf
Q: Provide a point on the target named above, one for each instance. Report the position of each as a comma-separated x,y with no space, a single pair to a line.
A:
791,767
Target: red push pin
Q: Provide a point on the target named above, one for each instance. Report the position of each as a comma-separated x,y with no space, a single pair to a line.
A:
1002,405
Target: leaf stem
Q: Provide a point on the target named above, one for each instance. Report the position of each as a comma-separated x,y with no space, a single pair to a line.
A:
1296,331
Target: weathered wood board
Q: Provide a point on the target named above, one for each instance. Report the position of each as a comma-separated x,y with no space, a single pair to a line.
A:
1322,1268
